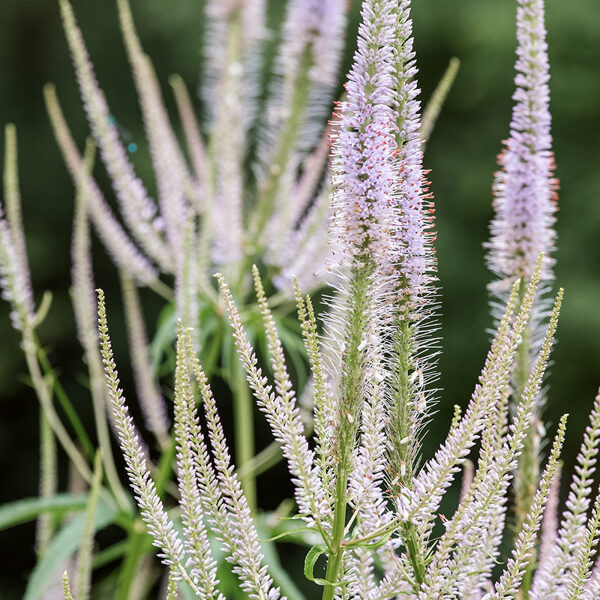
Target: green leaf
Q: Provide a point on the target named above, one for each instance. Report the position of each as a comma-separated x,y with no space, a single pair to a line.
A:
64,545
28,509
309,566
309,563
109,555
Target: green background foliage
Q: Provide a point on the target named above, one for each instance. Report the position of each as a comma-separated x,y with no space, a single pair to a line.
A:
461,154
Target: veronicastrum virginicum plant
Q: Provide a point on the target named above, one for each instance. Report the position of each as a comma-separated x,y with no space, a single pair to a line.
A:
200,207
361,488
368,504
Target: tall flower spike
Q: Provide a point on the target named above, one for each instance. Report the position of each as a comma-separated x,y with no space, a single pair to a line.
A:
151,401
548,531
227,133
416,260
510,580
203,566
67,587
195,144
280,407
475,519
313,28
438,472
239,533
524,188
364,145
366,232
413,346
233,42
248,18
525,203
85,311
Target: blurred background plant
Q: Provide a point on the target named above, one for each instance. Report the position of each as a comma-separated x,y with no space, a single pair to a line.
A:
462,154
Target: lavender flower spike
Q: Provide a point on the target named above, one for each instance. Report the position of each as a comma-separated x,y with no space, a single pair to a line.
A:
416,260
365,142
525,189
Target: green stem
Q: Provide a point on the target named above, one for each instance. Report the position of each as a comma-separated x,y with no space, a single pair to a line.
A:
165,468
347,421
263,461
243,408
137,546
404,422
411,541
101,425
405,413
65,403
47,483
162,289
339,522
528,467
43,393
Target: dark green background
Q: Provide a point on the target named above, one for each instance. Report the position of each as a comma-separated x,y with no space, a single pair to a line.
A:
462,156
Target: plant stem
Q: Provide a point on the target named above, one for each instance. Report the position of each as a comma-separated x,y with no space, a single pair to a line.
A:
43,393
339,523
47,483
348,419
137,545
243,410
65,403
526,479
406,413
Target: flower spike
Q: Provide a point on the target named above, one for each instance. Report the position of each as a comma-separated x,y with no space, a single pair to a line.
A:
525,188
